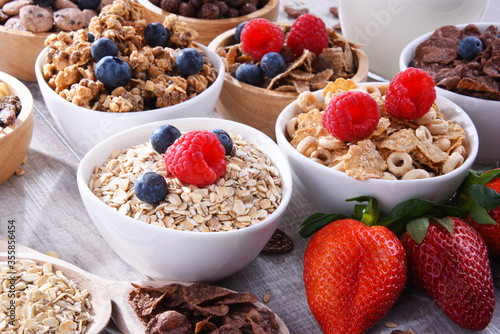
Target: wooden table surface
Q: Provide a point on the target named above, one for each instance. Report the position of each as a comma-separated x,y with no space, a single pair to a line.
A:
48,215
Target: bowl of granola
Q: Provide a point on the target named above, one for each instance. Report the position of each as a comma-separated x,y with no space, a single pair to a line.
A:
210,221
16,124
211,18
303,70
90,100
24,26
389,158
463,60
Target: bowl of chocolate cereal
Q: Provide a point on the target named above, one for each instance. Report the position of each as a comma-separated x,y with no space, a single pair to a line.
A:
135,74
211,18
201,210
24,26
16,124
261,81
350,140
463,61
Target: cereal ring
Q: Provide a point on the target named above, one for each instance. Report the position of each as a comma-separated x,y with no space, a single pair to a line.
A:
388,176
330,143
322,155
423,134
454,160
291,126
307,101
374,91
438,127
399,163
307,146
428,117
444,144
415,174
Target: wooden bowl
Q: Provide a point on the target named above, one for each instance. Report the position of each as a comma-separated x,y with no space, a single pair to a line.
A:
19,51
15,139
209,29
259,107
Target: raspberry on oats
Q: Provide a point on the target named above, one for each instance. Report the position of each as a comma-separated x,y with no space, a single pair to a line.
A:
308,32
196,158
410,94
261,36
351,116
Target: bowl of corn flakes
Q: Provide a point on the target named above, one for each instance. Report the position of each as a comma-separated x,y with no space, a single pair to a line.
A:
198,229
16,124
142,82
463,60
259,104
394,160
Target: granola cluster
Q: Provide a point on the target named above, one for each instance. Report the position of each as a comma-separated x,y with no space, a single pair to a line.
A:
156,82
10,106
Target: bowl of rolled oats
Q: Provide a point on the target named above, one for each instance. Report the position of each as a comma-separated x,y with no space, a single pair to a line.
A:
337,153
16,125
201,210
132,73
301,70
463,61
211,18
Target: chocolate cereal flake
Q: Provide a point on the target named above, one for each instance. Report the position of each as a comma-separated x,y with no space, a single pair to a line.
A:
279,243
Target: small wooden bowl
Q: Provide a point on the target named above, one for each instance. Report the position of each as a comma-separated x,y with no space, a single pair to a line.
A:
209,29
19,51
259,107
15,139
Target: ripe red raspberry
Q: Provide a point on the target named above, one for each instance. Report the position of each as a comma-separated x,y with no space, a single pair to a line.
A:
261,36
351,116
196,158
308,32
410,94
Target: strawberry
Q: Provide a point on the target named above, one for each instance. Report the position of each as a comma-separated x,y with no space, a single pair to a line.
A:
449,262
353,275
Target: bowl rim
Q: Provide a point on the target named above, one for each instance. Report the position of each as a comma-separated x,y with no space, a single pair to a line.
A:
319,168
285,175
218,64
361,60
409,49
24,94
189,20
25,33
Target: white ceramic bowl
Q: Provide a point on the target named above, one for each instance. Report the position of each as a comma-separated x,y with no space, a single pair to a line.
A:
484,113
85,127
163,253
327,189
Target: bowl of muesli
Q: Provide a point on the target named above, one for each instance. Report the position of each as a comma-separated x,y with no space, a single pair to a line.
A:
463,61
257,99
200,223
337,153
16,124
131,73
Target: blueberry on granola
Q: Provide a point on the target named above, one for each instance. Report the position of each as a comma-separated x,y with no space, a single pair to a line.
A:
90,38
88,4
164,136
469,47
155,34
272,64
103,47
225,140
113,72
189,61
250,74
43,3
150,187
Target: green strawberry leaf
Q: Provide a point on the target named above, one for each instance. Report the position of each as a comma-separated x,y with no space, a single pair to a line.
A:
367,214
417,229
447,223
317,221
485,197
488,176
407,210
480,215
461,198
448,210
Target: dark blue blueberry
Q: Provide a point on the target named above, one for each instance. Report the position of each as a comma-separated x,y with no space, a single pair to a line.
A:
272,64
150,187
155,34
43,3
469,47
90,38
225,140
88,4
113,72
189,61
237,32
103,47
250,74
164,136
